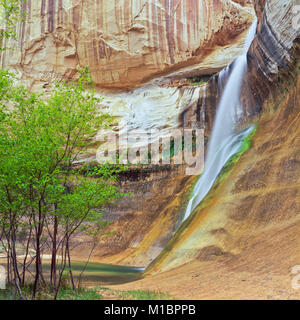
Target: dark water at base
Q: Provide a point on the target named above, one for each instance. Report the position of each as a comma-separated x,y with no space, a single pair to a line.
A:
100,274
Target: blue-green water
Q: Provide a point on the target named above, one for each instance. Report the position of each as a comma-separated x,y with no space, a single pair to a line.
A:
104,273
100,274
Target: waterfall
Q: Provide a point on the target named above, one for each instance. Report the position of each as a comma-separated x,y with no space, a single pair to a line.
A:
223,142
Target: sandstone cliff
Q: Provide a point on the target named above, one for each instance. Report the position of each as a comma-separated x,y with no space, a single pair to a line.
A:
242,242
270,59
124,42
273,62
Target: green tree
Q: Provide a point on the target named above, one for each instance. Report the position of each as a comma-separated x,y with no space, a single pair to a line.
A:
11,12
42,196
44,201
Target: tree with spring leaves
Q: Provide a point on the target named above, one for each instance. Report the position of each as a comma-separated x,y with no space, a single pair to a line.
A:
11,11
44,201
42,196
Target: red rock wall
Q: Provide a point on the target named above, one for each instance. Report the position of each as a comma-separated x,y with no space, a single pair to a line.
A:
124,42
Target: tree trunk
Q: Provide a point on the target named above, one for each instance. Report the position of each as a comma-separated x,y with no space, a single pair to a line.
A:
26,255
37,267
53,258
17,278
70,265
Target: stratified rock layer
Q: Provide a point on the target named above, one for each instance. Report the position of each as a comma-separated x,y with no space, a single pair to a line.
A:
272,69
124,42
242,242
270,60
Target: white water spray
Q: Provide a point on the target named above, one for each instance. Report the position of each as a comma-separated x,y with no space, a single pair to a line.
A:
223,142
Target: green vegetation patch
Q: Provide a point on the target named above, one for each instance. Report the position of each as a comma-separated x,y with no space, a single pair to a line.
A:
80,294
144,295
197,81
133,294
246,145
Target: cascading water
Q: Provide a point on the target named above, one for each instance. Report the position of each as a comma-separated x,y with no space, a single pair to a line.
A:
223,142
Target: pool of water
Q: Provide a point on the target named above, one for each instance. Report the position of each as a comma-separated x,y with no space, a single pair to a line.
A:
100,274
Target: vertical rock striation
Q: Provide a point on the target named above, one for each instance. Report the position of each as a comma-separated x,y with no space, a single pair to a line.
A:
124,42
270,60
261,195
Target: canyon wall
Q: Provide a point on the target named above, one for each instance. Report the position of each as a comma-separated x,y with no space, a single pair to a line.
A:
260,196
243,242
126,43
270,76
270,60
123,42
143,222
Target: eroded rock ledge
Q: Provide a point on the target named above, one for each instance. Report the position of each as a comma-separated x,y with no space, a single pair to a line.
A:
124,44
